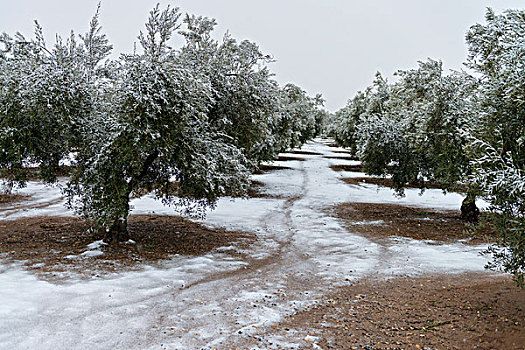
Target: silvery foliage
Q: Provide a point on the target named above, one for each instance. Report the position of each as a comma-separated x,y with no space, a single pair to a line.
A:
46,96
157,134
497,54
345,121
244,96
413,128
248,104
299,119
187,124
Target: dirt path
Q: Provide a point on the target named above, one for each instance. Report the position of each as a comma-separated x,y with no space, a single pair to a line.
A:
466,311
225,300
301,255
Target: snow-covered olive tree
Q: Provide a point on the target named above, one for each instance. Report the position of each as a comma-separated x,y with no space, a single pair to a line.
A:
247,104
370,102
344,127
497,54
155,134
244,97
455,129
299,118
413,129
45,94
186,124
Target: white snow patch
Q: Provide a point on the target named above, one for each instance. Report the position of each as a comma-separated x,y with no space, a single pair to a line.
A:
42,201
117,312
311,338
92,253
372,222
96,244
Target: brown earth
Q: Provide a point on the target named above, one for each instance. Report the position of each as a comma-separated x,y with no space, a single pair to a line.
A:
51,246
339,167
255,191
385,220
468,311
348,157
263,169
11,198
287,158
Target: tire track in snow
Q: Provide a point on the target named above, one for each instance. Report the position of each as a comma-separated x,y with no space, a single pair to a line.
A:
286,272
283,240
6,212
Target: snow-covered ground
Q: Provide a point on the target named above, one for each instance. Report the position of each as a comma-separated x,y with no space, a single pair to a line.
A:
212,300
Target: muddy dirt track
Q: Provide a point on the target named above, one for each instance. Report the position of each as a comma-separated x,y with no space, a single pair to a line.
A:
230,296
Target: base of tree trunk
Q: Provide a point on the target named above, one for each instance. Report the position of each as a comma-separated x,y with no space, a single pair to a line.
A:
118,232
469,210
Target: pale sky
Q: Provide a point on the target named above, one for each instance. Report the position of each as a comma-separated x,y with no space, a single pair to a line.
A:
332,47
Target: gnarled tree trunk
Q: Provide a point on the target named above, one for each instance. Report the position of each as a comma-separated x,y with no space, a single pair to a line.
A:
469,210
118,231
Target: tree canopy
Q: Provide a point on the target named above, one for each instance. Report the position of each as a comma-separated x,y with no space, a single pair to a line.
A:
410,129
497,144
464,128
188,124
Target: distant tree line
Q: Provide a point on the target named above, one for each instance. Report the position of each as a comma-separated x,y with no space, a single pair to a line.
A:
459,130
189,124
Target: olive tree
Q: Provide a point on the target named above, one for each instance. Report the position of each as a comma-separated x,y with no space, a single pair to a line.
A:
185,124
413,130
362,106
299,118
244,97
497,54
46,94
155,134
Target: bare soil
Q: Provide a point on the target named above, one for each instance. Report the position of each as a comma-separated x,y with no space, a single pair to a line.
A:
255,190
52,246
377,221
263,169
11,198
467,311
345,157
339,167
287,158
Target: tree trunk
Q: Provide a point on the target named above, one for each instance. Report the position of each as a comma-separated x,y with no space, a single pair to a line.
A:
118,232
469,210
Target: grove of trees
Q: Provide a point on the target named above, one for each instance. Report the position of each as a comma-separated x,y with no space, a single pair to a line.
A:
188,124
460,130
